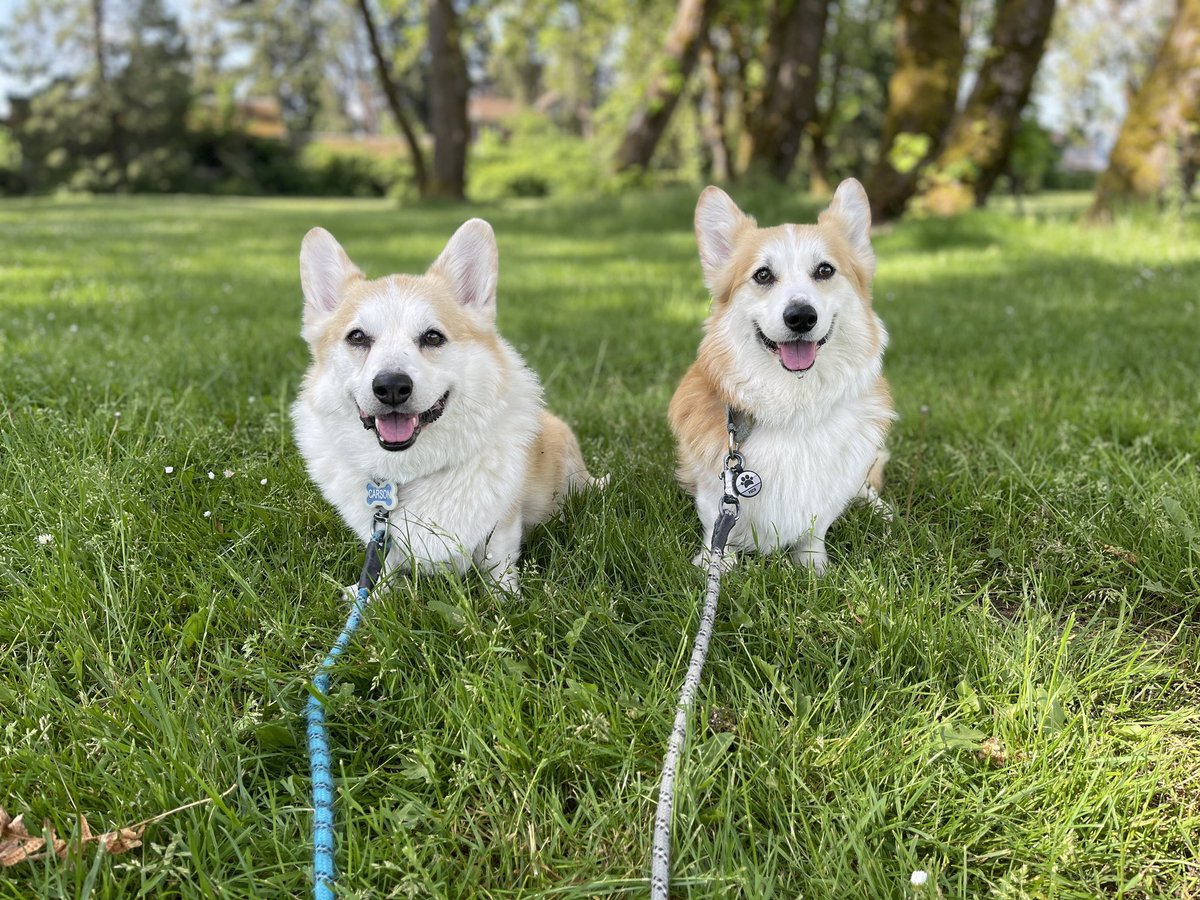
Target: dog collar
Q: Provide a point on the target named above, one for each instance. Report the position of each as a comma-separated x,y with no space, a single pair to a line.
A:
739,424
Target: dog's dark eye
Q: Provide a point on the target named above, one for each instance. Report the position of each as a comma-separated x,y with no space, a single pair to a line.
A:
432,338
824,271
358,338
763,276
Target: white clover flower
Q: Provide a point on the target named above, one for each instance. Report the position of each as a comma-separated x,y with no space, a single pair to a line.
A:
212,475
73,328
45,539
264,481
228,473
168,469
208,514
919,878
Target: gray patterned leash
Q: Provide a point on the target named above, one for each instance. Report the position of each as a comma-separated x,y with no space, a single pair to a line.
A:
738,482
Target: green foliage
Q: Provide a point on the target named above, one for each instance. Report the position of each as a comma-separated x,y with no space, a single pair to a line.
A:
908,150
1034,155
535,159
336,172
125,131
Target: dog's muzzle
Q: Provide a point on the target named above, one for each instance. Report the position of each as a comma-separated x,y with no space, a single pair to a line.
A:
399,431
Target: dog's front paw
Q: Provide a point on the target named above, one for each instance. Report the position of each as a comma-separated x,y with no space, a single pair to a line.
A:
816,560
703,559
507,583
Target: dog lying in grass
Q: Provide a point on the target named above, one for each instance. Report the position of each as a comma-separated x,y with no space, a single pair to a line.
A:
411,384
793,349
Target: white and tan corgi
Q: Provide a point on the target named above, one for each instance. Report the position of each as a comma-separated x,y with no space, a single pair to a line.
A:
793,347
411,384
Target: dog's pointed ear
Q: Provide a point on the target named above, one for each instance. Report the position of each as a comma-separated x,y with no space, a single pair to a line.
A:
471,263
324,270
850,212
718,223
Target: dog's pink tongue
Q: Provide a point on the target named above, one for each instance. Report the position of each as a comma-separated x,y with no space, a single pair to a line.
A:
395,428
798,355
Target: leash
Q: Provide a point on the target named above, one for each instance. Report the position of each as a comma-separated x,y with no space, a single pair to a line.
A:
382,499
738,482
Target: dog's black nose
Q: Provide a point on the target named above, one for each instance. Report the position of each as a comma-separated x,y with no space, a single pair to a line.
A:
800,317
392,388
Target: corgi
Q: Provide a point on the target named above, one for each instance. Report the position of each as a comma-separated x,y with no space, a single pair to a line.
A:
793,350
411,384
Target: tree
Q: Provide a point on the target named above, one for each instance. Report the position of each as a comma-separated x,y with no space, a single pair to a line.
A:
679,53
448,85
391,93
922,93
289,57
1162,121
791,73
981,136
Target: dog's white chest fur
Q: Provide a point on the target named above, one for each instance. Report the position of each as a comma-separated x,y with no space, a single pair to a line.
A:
811,470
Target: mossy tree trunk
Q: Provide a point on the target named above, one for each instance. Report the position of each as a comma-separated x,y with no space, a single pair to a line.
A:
922,93
1158,135
791,64
680,51
391,93
448,84
713,114
981,136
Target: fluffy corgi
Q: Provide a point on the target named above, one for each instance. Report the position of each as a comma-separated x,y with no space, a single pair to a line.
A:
793,349
411,384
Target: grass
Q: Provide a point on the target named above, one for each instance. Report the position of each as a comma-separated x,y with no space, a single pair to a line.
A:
1000,689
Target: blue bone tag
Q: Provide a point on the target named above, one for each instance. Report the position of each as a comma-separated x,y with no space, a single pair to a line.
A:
382,496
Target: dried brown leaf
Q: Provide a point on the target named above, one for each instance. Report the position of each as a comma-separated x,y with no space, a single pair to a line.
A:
1119,553
122,840
992,752
18,845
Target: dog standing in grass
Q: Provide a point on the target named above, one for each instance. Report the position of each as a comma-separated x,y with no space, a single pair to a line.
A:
793,349
411,384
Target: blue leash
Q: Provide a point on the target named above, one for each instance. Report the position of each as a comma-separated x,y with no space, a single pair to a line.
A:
318,739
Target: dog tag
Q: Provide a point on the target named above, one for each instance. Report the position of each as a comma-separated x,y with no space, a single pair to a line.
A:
383,496
747,483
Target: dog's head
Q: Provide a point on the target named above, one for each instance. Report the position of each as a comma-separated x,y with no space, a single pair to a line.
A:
793,298
393,351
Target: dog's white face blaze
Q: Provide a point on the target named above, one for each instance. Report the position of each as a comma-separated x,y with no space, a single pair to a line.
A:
758,275
435,330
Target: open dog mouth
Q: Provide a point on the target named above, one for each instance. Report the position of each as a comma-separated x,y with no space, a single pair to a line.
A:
398,431
795,356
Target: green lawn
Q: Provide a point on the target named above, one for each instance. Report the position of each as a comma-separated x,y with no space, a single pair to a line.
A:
1040,585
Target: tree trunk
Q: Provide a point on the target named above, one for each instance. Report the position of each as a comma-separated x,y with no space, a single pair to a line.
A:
98,40
981,136
819,130
792,68
392,94
679,53
922,94
448,86
1157,135
713,114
